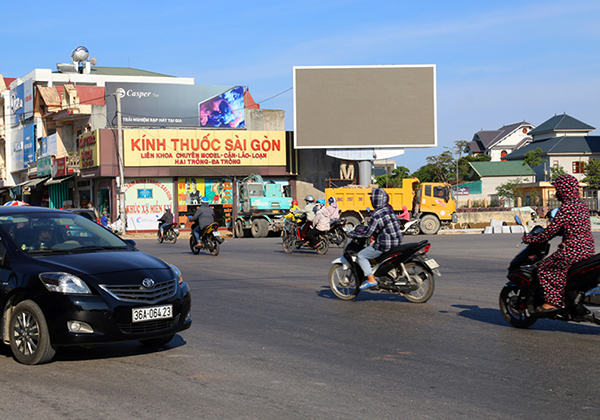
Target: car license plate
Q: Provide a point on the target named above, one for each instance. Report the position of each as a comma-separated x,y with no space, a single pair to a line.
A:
216,233
431,263
151,313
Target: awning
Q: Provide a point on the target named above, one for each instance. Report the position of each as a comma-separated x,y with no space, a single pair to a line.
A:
58,180
31,182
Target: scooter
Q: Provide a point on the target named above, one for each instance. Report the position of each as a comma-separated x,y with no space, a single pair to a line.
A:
405,270
170,233
522,293
410,227
210,239
294,240
338,233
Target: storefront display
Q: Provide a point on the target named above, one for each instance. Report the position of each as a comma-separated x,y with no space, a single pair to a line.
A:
218,191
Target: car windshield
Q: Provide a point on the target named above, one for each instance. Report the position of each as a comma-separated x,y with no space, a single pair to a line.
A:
38,233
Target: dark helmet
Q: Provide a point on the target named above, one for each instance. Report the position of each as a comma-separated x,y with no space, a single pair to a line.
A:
331,200
309,199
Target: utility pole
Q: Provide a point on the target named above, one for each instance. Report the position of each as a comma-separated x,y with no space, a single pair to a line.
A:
120,159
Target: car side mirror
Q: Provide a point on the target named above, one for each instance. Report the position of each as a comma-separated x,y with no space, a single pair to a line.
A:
130,242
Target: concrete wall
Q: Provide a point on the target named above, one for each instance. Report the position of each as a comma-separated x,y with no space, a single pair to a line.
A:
314,167
478,217
265,120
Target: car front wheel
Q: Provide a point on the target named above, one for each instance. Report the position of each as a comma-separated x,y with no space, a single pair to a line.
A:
29,337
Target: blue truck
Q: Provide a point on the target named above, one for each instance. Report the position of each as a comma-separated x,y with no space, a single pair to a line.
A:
262,206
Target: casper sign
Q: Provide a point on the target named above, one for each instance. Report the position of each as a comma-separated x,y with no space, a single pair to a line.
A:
204,147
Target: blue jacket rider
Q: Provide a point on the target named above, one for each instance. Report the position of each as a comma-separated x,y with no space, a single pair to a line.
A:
384,226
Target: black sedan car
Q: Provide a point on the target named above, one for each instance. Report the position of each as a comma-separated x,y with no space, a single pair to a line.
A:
65,280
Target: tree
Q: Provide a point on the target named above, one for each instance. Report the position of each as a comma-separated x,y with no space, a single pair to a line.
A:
442,165
427,173
556,171
533,158
464,169
592,174
394,179
510,189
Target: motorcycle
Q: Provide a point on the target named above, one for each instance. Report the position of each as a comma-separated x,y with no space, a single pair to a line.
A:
171,232
337,233
294,240
522,293
410,227
210,239
405,270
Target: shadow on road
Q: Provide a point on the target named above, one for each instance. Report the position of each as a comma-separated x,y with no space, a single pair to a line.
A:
109,351
326,293
493,316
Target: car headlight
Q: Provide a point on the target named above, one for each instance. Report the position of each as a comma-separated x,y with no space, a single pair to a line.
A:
65,283
177,273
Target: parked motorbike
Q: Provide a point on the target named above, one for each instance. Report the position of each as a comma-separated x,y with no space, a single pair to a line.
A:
337,233
405,270
210,239
522,293
171,232
294,240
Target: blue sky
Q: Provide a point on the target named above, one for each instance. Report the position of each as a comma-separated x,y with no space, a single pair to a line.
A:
497,62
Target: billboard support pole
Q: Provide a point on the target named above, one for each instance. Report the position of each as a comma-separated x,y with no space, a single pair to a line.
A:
122,216
364,172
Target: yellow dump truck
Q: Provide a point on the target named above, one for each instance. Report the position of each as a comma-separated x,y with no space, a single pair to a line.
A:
431,202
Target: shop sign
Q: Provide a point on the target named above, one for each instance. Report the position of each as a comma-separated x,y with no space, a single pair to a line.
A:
145,201
204,147
44,166
59,167
88,149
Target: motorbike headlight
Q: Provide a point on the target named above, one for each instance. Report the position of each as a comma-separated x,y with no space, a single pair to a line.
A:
65,283
177,273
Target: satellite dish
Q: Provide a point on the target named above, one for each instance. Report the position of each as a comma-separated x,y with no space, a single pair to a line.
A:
80,54
93,61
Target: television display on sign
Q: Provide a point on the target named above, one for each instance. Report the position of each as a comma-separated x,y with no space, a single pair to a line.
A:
365,107
225,110
144,193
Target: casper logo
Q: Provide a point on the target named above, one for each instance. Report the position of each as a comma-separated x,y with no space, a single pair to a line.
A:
134,94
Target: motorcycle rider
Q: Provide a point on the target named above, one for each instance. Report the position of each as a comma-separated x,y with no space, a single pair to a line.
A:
333,210
309,209
384,226
294,210
320,224
404,216
164,221
572,222
205,216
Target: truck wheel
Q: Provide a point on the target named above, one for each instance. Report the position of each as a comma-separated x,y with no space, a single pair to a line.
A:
260,228
351,222
239,229
429,225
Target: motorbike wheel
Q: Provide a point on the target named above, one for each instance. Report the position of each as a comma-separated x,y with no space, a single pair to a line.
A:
343,283
323,247
213,246
423,277
342,238
172,237
514,308
193,247
288,244
414,230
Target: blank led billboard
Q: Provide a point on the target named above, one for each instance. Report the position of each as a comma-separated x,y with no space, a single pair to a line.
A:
365,106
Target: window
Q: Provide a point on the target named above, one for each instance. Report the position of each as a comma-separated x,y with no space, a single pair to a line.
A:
428,190
578,167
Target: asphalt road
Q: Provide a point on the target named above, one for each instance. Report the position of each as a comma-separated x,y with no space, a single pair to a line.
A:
270,341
